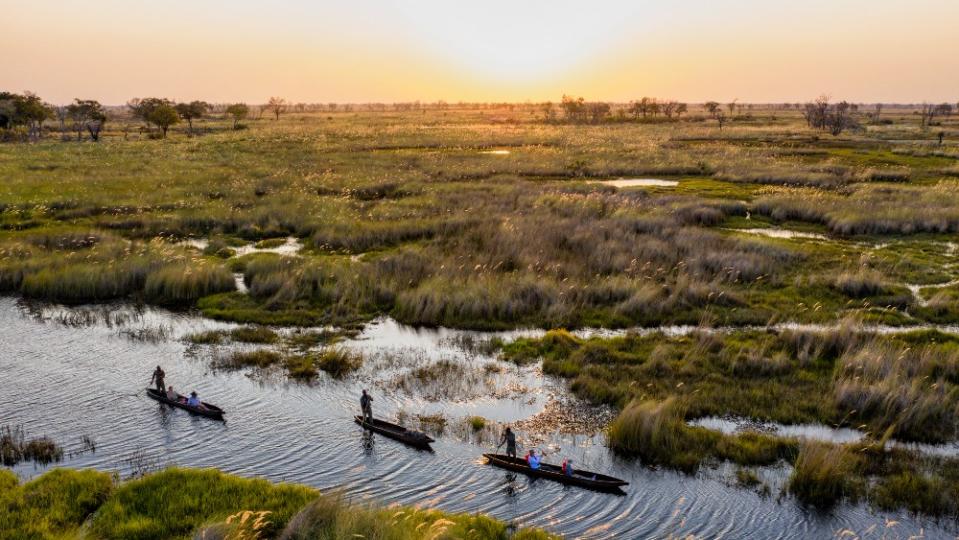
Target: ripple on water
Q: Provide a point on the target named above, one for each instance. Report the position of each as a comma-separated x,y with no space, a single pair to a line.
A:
68,380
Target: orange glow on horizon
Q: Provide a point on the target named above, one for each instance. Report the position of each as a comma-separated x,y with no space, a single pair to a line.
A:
386,51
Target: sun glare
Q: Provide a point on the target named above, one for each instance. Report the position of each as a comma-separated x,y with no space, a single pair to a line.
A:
515,41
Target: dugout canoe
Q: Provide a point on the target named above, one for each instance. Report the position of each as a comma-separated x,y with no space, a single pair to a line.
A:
209,410
397,432
580,478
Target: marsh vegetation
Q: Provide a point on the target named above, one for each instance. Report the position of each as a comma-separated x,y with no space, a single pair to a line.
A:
503,218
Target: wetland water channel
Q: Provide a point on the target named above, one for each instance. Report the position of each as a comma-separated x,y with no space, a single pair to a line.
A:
73,372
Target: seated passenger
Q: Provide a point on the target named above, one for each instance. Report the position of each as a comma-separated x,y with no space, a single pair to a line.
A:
532,460
568,467
194,401
170,394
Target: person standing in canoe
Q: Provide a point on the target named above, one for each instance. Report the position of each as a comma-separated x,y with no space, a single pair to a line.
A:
157,377
366,404
509,438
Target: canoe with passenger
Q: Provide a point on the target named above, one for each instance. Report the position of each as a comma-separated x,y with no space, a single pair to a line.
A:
573,477
191,404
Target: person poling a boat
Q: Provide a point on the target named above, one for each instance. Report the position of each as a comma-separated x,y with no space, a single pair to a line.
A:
366,404
157,377
509,438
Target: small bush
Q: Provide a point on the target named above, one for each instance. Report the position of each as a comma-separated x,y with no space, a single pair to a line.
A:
477,423
824,474
210,337
184,284
916,492
339,363
860,284
261,358
656,432
254,334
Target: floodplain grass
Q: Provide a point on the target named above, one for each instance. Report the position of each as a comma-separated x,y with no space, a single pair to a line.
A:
54,505
335,361
902,386
450,236
178,503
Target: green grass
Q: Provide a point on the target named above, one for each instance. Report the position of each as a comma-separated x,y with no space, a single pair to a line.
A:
453,237
338,362
824,475
476,423
51,506
329,518
254,334
192,503
175,502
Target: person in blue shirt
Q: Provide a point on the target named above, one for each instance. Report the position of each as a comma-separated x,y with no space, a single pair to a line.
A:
194,400
532,460
568,467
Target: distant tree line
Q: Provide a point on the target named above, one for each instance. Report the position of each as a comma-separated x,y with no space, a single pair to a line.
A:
22,116
578,110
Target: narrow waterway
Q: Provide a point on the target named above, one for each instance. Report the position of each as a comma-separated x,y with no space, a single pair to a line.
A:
69,373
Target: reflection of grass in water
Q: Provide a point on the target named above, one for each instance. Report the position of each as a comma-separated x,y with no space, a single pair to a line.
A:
443,380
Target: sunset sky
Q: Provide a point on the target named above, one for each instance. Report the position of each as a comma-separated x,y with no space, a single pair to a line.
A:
493,50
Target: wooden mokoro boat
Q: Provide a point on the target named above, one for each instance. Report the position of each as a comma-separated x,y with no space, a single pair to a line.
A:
393,431
585,479
208,410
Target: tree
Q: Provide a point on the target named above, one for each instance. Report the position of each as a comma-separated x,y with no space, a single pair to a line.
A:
8,109
574,108
156,111
142,108
816,112
192,110
549,112
838,118
276,106
238,111
833,118
32,111
673,107
720,117
711,107
163,117
597,111
732,106
87,114
645,107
